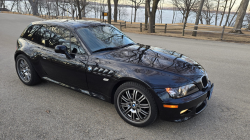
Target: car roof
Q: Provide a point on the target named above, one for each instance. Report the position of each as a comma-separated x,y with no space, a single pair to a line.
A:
69,23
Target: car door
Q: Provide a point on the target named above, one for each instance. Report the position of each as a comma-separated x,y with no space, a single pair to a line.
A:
57,66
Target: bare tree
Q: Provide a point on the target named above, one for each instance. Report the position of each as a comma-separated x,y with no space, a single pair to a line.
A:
97,9
137,4
64,7
56,5
131,19
198,14
232,19
160,9
48,6
151,14
81,8
2,3
217,11
248,19
34,6
146,14
115,10
27,6
223,13
94,6
17,6
72,8
207,14
102,8
78,6
174,12
12,5
240,17
231,5
109,14
40,5
184,6
84,5
122,12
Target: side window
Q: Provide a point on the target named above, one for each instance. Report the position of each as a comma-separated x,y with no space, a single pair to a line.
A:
75,46
26,30
51,38
38,36
61,36
30,32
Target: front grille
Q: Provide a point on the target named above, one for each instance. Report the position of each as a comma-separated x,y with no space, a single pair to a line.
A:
204,81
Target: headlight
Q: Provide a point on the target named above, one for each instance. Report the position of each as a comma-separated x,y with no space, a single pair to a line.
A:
182,91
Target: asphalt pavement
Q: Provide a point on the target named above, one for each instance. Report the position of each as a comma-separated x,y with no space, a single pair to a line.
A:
49,111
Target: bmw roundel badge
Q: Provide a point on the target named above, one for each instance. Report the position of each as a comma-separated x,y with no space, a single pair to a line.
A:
89,68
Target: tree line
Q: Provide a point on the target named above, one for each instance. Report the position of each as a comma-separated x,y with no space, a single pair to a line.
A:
205,10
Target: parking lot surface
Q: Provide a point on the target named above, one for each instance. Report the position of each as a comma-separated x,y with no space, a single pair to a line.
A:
49,111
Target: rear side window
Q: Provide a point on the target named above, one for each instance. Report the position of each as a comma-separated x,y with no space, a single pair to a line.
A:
30,31
25,30
50,36
39,35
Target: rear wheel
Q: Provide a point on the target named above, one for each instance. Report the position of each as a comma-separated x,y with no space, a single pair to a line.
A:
25,71
135,104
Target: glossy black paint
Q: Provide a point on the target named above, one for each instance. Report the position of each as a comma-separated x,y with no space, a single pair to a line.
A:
99,74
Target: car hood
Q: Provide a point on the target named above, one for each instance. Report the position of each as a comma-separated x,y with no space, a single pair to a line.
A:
157,58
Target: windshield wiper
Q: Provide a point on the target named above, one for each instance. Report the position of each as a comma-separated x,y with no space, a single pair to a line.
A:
123,46
104,49
113,48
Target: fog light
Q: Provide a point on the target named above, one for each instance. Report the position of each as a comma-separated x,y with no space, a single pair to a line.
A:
170,106
183,111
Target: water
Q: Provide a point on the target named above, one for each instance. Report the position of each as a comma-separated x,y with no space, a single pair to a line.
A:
125,14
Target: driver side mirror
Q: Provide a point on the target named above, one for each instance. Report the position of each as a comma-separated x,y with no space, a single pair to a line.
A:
63,50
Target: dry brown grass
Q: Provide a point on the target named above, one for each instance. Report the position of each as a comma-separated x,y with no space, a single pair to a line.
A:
174,30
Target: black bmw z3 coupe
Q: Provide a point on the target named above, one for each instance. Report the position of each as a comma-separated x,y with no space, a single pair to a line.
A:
97,59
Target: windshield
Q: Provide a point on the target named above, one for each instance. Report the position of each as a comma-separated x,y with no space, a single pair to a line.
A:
103,36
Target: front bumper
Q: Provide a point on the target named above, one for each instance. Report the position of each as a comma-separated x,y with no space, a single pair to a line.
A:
194,104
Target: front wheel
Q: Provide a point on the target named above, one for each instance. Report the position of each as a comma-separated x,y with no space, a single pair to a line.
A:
135,104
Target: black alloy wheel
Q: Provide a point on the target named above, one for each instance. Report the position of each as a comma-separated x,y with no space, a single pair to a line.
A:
135,104
25,71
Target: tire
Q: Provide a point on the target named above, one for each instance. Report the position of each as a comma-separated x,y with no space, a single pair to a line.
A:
139,110
26,71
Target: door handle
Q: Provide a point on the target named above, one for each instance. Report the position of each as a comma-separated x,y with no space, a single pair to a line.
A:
44,57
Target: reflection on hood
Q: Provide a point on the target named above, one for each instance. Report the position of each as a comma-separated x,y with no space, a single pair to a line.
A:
157,58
